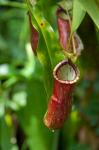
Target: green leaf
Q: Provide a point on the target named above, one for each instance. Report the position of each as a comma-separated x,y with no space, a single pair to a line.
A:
12,4
92,9
31,117
78,15
6,70
66,5
6,133
48,35
2,107
70,129
48,46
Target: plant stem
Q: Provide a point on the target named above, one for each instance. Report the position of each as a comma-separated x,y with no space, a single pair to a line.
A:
55,140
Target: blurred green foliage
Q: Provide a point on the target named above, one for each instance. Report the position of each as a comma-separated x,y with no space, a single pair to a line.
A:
26,81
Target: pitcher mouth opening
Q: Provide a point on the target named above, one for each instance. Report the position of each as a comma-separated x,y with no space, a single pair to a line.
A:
66,72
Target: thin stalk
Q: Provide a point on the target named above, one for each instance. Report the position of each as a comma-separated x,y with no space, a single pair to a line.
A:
71,36
74,48
55,140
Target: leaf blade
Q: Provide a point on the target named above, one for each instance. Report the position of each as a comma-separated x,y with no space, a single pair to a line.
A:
92,9
78,15
48,46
